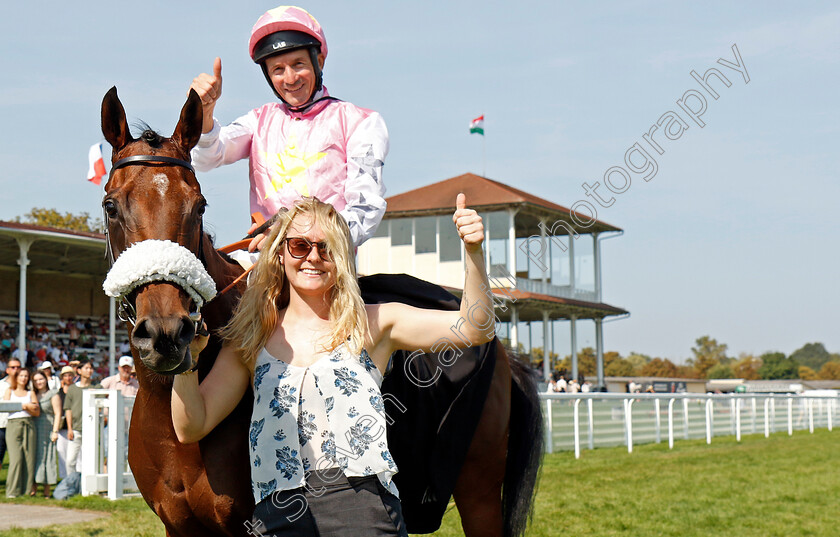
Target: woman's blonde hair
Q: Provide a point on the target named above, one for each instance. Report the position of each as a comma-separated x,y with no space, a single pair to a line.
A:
256,316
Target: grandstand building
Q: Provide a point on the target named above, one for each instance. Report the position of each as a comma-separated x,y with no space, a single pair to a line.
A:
48,274
531,243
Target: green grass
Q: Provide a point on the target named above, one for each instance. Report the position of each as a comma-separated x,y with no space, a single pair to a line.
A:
781,486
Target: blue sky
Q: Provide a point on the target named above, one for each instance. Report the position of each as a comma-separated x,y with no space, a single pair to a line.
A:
736,236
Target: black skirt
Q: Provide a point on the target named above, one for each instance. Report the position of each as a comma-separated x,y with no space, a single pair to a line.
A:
330,507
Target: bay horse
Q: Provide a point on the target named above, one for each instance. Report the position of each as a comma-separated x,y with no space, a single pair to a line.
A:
484,439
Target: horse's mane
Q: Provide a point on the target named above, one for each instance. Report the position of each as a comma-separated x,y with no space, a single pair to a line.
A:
149,135
212,238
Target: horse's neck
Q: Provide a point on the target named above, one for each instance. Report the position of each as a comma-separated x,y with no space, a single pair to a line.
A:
223,271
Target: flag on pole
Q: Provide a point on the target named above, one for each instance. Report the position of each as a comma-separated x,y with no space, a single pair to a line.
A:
97,164
477,125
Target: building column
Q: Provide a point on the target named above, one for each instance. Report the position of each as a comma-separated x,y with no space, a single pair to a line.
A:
514,328
545,246
23,261
553,342
571,267
573,328
596,250
530,341
546,349
599,353
112,335
512,241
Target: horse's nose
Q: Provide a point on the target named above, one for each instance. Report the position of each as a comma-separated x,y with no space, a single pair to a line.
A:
163,340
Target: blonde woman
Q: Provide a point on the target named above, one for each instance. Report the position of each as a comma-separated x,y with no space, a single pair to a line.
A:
20,435
315,355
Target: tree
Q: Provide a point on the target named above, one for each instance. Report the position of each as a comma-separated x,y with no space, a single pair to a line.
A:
688,372
775,365
616,366
537,354
659,367
806,373
52,218
638,361
587,361
812,355
707,354
720,371
830,371
747,367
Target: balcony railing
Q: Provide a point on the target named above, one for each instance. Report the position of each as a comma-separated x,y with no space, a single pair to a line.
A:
500,277
563,291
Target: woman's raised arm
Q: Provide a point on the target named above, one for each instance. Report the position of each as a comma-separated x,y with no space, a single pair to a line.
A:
402,327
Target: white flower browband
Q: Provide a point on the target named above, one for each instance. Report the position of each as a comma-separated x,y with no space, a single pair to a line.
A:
155,260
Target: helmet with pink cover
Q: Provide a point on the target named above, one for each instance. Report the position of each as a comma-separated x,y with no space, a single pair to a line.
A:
283,29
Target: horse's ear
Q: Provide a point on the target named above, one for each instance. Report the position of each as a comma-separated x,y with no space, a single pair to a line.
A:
114,125
188,130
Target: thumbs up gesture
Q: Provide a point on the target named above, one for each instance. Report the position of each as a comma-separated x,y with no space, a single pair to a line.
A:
469,224
209,88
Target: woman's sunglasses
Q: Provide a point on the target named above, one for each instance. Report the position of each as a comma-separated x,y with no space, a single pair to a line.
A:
300,247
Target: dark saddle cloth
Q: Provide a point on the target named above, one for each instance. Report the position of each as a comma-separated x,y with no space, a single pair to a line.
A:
433,404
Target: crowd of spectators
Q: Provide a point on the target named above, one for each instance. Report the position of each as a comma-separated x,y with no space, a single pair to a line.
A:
44,438
562,382
67,341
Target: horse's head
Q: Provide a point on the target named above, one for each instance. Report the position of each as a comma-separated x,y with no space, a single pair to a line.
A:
152,195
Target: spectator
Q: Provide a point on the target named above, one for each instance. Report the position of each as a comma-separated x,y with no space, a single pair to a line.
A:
11,371
125,383
552,387
102,370
73,414
122,381
572,386
62,443
586,387
45,433
125,347
46,368
103,325
18,353
73,333
560,385
20,436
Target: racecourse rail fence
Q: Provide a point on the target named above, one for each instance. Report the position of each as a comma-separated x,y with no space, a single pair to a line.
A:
106,415
603,419
573,421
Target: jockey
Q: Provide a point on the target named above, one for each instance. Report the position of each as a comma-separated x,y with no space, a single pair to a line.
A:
309,143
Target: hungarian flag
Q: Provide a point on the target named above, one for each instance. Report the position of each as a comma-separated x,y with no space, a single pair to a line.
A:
477,125
97,165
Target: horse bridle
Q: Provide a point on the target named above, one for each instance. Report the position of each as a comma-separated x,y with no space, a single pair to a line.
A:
126,311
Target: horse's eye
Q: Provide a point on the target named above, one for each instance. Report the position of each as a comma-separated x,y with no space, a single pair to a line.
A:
110,208
201,209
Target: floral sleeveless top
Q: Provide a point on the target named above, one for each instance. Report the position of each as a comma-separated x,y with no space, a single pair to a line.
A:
331,411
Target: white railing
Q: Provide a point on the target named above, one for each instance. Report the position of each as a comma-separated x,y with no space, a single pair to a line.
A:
614,419
105,448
